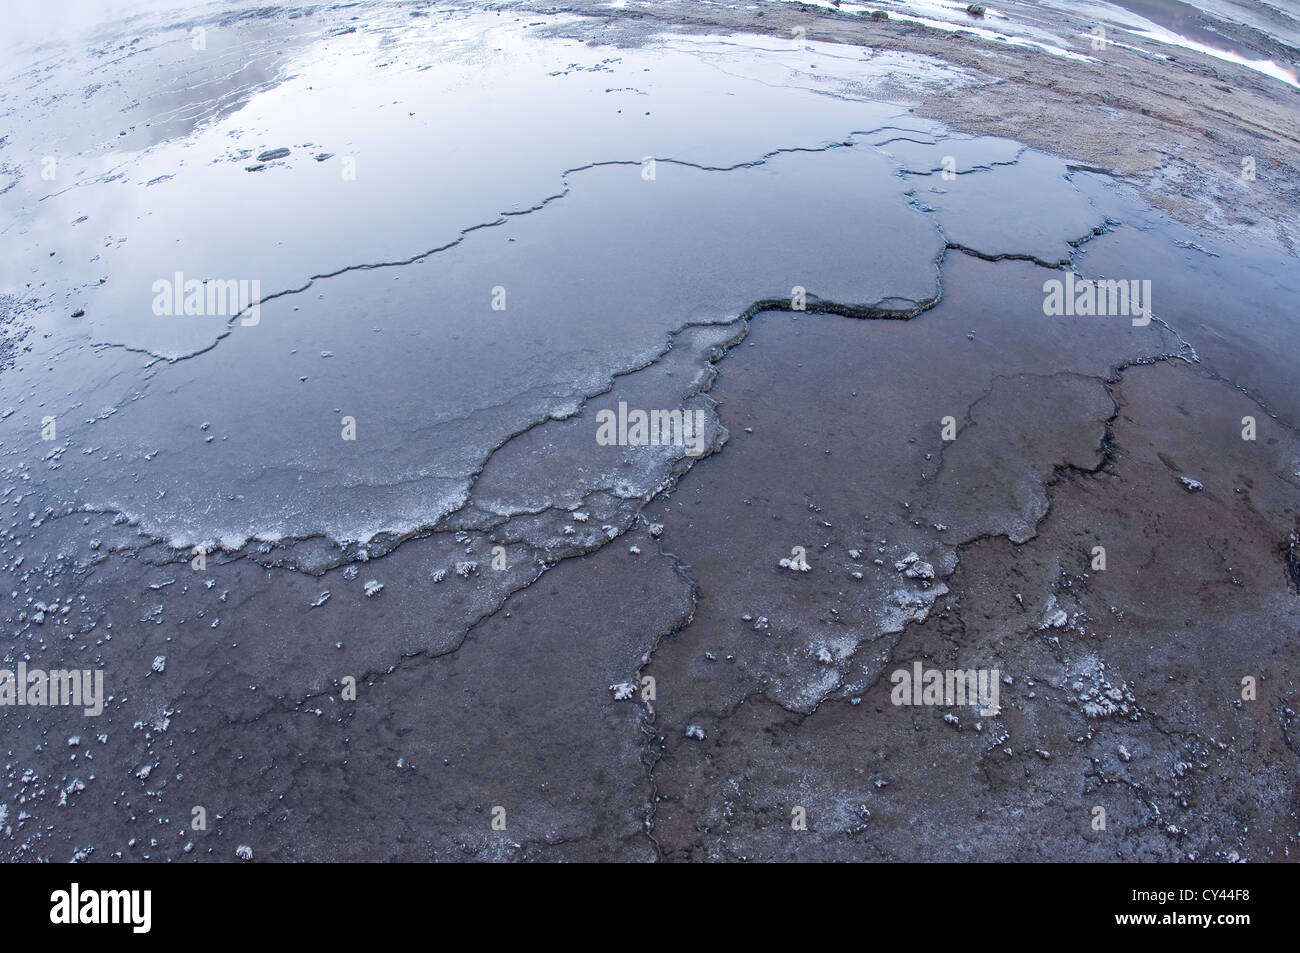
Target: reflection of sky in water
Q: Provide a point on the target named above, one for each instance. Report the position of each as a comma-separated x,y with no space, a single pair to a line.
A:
453,120
1267,67
437,145
51,24
178,110
1174,23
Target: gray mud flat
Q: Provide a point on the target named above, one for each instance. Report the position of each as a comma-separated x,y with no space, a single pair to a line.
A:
372,559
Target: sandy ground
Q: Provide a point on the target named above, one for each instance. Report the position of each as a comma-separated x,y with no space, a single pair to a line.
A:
643,680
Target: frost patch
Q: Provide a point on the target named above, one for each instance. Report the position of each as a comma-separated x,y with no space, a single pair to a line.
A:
913,567
1097,694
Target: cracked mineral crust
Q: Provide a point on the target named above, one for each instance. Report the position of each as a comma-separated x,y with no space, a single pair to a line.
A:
566,443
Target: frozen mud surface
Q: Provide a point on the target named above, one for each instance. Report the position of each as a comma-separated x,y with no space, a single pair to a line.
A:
365,582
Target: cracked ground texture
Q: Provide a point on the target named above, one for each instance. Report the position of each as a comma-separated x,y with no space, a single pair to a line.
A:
598,643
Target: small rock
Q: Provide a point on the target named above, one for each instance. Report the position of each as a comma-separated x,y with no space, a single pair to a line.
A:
919,570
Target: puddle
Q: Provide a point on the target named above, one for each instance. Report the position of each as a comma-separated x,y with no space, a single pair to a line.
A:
518,253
